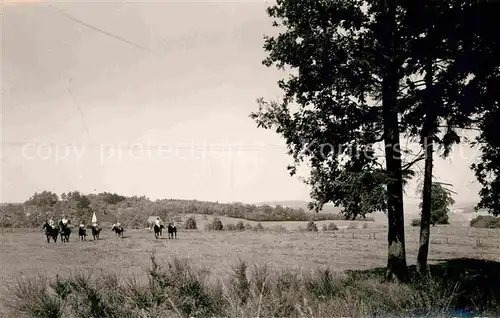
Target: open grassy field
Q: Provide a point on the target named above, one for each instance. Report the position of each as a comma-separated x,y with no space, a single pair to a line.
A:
26,252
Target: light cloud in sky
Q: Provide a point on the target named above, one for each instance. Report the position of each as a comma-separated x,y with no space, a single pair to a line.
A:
199,87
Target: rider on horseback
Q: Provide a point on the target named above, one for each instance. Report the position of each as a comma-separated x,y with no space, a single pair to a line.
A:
51,222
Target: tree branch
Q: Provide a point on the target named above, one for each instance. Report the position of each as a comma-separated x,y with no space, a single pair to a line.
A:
411,163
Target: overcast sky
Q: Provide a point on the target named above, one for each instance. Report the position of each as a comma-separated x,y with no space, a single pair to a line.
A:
79,105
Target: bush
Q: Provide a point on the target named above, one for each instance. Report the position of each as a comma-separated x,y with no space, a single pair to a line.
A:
230,227
441,220
190,224
311,226
240,226
217,224
415,222
485,222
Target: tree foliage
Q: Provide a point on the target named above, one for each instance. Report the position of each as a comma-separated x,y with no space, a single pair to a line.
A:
487,170
484,48
441,202
45,199
330,115
344,95
134,211
421,60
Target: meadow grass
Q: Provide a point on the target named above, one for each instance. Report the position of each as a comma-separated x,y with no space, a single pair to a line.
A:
279,270
177,289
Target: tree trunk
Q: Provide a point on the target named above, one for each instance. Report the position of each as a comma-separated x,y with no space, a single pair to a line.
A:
396,262
425,220
428,129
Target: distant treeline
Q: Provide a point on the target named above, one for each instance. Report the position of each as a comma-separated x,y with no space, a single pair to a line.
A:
133,211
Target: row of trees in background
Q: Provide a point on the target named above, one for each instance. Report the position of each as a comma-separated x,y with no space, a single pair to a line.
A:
363,73
133,211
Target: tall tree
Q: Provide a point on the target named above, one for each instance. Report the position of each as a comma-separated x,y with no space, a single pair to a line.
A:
486,91
453,50
442,53
342,98
391,76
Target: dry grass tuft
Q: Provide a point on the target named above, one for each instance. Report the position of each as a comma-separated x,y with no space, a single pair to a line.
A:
177,289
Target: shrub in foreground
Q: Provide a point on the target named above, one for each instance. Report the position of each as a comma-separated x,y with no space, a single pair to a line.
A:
176,289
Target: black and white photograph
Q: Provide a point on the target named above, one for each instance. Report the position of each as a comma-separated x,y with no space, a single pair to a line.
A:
249,158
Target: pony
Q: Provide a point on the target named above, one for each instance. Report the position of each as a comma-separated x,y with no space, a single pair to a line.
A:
65,232
50,231
118,230
172,230
95,231
82,233
158,230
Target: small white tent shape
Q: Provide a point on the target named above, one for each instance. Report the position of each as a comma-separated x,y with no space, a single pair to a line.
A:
94,218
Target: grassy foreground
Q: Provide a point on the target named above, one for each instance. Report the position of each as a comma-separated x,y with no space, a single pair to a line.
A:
177,289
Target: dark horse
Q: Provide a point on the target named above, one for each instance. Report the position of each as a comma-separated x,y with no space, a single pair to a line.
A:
95,231
172,230
118,230
65,232
50,232
158,230
82,233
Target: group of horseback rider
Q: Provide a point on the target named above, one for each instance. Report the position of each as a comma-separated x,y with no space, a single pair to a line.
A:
51,229
64,222
159,222
171,227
